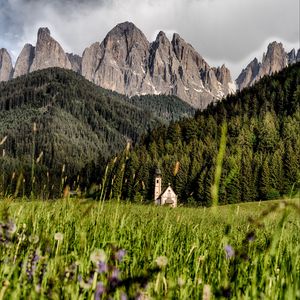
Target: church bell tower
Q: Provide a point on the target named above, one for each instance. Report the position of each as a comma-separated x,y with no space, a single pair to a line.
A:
157,189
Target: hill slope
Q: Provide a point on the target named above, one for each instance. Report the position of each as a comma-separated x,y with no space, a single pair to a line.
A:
77,122
262,159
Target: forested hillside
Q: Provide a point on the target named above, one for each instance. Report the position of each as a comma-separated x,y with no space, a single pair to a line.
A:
262,157
56,120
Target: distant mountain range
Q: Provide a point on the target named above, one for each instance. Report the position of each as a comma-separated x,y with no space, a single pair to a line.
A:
126,62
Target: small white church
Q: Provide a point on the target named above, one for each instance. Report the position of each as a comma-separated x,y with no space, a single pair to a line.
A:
166,197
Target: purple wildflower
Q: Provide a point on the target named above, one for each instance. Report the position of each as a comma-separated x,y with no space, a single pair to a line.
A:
114,279
100,290
120,254
31,265
124,296
7,231
102,267
115,274
229,251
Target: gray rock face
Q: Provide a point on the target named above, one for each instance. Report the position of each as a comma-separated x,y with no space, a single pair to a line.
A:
298,56
90,60
48,53
248,75
291,57
24,61
6,67
127,63
75,61
273,61
119,62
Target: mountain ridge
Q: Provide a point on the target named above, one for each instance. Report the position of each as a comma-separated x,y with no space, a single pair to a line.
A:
126,62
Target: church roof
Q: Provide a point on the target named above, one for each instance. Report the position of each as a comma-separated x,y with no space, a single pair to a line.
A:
165,190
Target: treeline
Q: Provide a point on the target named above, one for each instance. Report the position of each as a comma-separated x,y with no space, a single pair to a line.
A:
262,159
65,128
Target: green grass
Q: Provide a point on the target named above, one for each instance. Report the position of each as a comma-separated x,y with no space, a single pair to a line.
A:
193,240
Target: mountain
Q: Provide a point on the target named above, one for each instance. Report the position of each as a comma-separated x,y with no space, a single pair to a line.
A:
273,61
46,54
77,123
126,62
6,67
24,61
262,158
75,61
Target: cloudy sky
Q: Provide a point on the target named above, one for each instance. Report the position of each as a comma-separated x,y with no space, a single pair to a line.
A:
223,31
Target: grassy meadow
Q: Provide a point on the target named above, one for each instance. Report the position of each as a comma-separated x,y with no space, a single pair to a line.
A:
76,249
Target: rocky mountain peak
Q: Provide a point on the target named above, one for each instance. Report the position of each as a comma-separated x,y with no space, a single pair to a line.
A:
248,75
120,60
24,61
126,31
124,27
178,45
6,67
124,41
48,53
291,56
274,60
75,61
223,75
43,32
162,38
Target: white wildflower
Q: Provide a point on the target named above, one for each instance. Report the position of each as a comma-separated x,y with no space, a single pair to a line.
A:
98,255
206,292
58,236
181,281
161,261
34,239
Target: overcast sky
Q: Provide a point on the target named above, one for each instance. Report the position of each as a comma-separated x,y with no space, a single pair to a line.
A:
223,31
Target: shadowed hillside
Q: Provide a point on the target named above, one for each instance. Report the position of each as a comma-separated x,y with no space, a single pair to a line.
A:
78,124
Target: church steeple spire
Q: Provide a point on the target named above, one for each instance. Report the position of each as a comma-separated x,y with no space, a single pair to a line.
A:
157,189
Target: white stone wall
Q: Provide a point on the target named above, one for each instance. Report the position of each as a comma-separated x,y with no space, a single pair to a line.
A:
167,196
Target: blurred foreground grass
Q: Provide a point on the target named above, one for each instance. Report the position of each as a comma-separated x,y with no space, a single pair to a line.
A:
245,251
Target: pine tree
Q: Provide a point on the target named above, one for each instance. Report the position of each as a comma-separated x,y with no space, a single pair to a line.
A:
264,180
291,169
